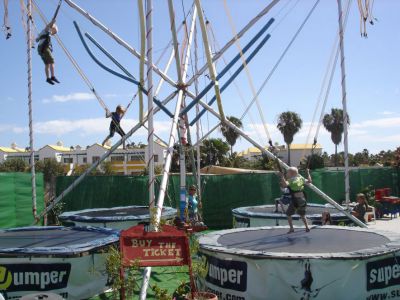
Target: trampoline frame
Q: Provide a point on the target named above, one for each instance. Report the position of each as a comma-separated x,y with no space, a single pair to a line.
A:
80,249
209,243
75,216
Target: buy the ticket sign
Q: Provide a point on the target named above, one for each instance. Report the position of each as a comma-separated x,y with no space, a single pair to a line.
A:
149,249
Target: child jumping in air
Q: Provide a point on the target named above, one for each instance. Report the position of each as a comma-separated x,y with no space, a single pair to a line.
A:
115,123
295,183
45,49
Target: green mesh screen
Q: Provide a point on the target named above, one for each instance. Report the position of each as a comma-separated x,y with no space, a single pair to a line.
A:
221,193
16,199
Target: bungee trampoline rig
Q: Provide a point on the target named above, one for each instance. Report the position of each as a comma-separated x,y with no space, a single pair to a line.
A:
221,249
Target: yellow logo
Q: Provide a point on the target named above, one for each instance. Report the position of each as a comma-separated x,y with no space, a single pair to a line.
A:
5,278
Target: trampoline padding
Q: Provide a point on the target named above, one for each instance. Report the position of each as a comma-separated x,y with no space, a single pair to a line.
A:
317,240
269,211
327,241
114,214
55,240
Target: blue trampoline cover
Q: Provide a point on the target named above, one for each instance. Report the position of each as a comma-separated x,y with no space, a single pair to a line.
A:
55,240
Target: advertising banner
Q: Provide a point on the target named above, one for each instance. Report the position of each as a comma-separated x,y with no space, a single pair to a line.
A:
233,277
72,278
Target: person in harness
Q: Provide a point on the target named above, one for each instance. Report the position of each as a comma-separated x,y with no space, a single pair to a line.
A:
115,125
295,183
45,49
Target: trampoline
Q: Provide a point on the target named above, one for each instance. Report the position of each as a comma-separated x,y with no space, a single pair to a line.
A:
330,262
265,215
116,217
69,262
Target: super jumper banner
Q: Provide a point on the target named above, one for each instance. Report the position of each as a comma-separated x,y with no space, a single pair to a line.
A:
73,278
237,278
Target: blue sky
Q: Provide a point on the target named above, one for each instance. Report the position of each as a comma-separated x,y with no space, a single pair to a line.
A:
68,112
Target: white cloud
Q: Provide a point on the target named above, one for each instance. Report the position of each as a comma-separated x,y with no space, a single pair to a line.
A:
387,113
77,97
85,127
378,123
12,128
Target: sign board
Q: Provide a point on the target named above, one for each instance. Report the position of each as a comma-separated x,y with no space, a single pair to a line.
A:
169,247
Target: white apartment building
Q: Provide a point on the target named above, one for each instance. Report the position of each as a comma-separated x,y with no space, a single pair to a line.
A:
124,161
298,152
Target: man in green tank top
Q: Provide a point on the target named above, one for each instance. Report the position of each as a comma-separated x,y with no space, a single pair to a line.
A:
295,183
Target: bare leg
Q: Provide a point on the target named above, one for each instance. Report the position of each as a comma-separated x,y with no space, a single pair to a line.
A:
305,223
290,221
122,133
52,70
105,141
46,70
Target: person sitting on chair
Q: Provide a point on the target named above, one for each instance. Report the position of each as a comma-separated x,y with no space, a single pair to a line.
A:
298,203
326,218
361,208
115,125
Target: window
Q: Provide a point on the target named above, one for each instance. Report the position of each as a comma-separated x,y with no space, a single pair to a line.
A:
95,158
155,158
136,157
85,160
117,158
68,160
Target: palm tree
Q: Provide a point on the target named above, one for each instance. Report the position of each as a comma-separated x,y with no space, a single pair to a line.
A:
334,123
289,123
229,134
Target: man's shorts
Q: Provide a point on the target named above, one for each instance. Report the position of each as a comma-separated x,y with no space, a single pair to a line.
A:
297,205
47,56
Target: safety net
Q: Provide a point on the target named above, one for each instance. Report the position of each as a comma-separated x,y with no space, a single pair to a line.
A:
16,199
220,193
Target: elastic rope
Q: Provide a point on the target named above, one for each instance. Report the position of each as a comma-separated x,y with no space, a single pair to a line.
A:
332,72
281,58
6,22
234,83
248,74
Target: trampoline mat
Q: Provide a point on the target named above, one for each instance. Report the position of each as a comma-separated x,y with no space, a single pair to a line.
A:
120,212
48,238
318,240
310,210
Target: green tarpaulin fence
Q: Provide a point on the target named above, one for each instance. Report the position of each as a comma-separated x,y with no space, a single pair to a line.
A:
221,193
16,199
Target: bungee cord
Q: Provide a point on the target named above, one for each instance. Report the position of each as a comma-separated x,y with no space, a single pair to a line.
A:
330,70
6,22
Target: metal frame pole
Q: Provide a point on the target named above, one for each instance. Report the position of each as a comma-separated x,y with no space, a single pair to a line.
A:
229,65
344,103
210,63
173,132
150,139
234,39
235,74
117,39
